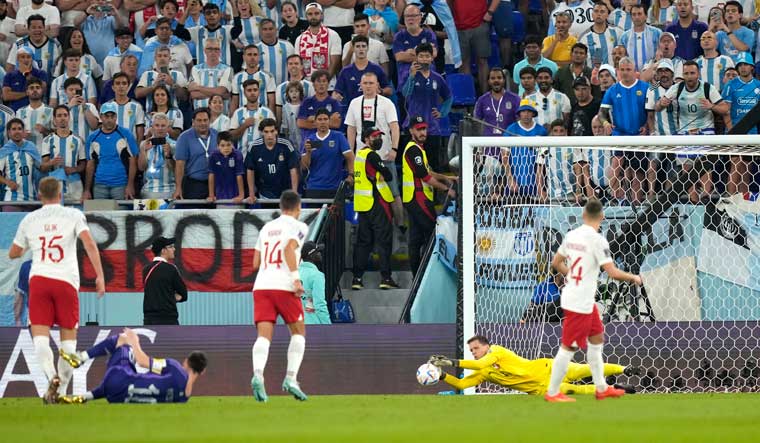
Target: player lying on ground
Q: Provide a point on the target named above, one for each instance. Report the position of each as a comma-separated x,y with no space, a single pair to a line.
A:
499,365
167,381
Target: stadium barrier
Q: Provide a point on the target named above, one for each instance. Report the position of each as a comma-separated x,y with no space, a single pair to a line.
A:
340,359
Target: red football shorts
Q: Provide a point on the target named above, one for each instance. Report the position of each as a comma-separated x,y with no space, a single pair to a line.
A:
576,328
53,302
268,303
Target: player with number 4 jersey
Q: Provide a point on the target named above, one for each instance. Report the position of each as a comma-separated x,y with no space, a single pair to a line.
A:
277,291
50,234
582,252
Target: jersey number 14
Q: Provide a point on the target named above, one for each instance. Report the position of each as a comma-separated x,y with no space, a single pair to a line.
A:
576,272
272,256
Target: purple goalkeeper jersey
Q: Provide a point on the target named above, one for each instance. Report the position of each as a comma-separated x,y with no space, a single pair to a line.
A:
164,383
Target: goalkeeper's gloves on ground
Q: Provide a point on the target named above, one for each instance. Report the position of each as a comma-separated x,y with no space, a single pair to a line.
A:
442,360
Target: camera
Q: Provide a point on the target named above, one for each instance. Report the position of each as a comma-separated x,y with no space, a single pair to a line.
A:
158,141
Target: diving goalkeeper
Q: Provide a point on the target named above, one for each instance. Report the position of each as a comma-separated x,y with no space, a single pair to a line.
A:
499,365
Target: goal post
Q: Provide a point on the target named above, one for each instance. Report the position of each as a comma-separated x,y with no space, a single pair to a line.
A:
695,327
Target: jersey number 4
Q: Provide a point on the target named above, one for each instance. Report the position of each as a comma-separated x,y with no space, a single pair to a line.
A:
576,272
272,256
50,250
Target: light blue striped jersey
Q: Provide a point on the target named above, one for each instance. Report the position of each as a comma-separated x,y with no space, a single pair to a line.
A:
274,59
70,148
558,166
221,124
274,13
130,115
6,114
87,64
713,69
79,125
20,167
176,119
251,134
665,120
211,77
601,45
158,176
550,107
33,117
45,56
665,17
57,91
199,34
148,77
641,46
250,32
266,85
621,19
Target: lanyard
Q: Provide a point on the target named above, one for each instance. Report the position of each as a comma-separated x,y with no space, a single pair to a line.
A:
497,108
205,145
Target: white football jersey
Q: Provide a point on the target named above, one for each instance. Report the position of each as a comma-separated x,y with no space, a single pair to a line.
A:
586,251
51,233
273,238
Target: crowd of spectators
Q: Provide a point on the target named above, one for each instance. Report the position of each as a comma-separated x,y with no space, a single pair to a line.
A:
242,99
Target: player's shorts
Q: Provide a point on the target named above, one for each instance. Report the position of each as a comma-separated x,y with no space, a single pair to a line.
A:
268,303
576,328
53,302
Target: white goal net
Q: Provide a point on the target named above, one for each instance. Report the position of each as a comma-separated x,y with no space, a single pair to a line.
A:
681,211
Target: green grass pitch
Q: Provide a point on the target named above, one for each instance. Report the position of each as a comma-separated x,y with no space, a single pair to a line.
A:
400,418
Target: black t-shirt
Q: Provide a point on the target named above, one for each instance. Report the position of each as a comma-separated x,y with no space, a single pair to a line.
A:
581,116
291,34
161,281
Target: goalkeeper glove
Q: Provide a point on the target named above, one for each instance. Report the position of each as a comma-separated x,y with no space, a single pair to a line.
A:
442,360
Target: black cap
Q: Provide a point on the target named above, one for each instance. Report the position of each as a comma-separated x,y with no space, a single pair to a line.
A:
581,81
416,121
369,131
123,31
160,243
309,248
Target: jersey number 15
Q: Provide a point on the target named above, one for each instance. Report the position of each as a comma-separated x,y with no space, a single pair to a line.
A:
50,250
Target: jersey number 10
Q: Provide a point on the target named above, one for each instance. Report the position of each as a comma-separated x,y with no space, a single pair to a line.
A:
48,248
270,257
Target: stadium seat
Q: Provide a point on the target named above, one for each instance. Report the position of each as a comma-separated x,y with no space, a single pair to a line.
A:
518,27
463,88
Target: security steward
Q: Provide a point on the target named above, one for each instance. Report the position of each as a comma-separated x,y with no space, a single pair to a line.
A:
372,202
163,285
418,182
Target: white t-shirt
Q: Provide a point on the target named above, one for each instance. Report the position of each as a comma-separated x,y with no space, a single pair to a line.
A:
335,16
51,14
363,110
51,234
586,251
376,52
273,238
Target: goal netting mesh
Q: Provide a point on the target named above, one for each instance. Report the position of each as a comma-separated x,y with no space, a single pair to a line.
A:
681,211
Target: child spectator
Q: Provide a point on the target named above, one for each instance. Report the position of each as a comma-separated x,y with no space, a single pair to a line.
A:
295,95
225,177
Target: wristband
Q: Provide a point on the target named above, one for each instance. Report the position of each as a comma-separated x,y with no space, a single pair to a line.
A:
294,275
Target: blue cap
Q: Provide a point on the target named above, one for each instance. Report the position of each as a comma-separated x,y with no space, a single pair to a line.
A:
26,50
744,57
109,107
527,105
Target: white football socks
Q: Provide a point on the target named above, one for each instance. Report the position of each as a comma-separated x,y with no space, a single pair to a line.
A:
65,371
296,350
594,357
44,355
559,369
260,354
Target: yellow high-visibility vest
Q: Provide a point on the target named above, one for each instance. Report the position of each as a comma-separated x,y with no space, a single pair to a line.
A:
363,196
407,178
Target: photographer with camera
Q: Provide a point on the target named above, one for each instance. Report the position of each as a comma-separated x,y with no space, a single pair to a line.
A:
156,160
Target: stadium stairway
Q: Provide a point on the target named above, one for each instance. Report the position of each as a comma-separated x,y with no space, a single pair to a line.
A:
373,305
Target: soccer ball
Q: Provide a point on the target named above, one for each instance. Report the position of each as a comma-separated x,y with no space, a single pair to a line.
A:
428,374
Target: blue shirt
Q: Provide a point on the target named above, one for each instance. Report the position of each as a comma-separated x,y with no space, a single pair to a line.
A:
107,94
271,167
628,113
726,47
687,39
23,277
522,159
402,41
112,151
99,34
743,97
226,171
312,104
349,79
545,291
17,82
195,152
162,384
426,94
326,170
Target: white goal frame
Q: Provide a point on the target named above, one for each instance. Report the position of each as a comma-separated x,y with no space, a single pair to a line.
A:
725,145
